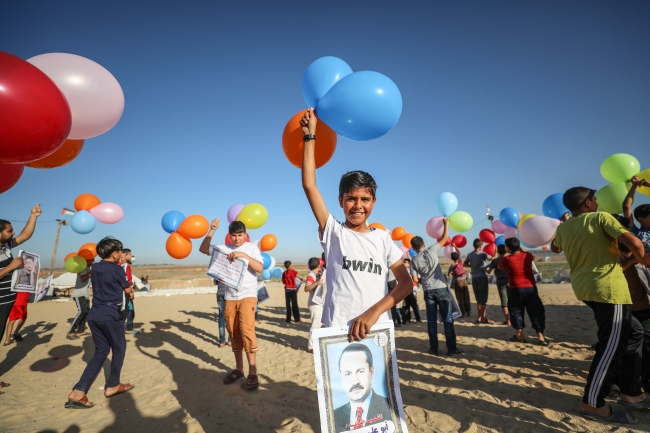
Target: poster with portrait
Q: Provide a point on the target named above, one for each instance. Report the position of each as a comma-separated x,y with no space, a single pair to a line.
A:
319,291
358,383
262,293
231,273
43,288
25,278
456,313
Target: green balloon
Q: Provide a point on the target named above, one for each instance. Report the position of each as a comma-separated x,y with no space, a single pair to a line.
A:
461,221
610,198
75,264
620,167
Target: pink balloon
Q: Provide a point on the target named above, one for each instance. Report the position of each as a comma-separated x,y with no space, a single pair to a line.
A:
511,232
499,227
233,212
405,251
448,250
107,213
435,227
95,97
538,230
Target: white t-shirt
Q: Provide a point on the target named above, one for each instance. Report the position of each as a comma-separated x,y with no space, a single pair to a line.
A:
248,287
357,271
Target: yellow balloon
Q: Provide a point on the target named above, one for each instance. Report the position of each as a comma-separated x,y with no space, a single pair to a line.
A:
525,217
645,174
253,215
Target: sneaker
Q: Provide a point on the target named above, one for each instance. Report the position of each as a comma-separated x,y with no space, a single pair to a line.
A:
455,352
17,337
431,352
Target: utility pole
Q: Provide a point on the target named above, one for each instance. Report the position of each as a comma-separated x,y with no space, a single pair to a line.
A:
56,241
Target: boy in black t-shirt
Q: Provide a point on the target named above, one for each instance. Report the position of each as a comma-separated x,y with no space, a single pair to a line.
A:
502,281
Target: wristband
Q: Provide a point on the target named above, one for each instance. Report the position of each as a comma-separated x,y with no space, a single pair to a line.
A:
309,137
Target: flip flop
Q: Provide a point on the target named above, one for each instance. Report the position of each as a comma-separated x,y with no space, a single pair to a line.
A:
514,339
542,343
641,405
121,389
252,382
17,337
233,376
81,404
71,337
617,417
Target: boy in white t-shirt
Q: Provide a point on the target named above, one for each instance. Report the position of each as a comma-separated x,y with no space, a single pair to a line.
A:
315,280
240,304
358,257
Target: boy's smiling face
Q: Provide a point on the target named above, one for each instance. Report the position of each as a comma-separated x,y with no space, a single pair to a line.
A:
357,206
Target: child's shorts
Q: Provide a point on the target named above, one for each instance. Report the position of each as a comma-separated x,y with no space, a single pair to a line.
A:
18,312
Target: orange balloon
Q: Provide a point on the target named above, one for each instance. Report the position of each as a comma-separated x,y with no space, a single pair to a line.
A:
293,146
86,254
378,226
68,256
398,233
545,247
406,240
86,202
178,247
92,247
63,155
268,242
194,227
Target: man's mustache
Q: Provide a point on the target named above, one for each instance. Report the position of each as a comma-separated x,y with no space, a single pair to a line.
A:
356,386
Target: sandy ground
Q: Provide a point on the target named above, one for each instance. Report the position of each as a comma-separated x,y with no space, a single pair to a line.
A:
177,369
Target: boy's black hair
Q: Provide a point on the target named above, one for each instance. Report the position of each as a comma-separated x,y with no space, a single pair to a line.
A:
407,260
501,249
574,198
477,243
313,263
625,222
513,244
3,224
236,227
454,255
357,179
126,250
108,246
287,263
641,211
417,242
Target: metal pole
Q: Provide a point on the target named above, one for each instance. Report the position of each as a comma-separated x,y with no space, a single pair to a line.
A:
56,244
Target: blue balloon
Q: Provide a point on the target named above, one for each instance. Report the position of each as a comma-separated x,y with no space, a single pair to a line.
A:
553,207
447,203
277,272
509,216
171,220
267,260
500,240
412,252
362,106
266,275
320,76
83,222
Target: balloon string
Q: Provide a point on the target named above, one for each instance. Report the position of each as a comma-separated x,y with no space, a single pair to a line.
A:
39,222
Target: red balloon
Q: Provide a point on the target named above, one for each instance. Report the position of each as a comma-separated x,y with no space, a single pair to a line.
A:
229,241
36,117
490,249
487,236
10,173
459,240
446,243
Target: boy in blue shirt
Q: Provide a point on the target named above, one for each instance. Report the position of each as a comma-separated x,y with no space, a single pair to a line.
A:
641,213
110,291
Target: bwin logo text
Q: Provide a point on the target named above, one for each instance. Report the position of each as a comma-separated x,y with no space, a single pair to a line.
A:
359,265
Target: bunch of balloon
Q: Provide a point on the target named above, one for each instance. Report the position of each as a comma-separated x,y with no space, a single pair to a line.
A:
489,238
182,230
90,210
77,262
52,102
360,106
619,169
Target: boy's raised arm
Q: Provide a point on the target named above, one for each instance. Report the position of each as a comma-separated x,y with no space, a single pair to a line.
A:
445,234
629,199
205,245
308,123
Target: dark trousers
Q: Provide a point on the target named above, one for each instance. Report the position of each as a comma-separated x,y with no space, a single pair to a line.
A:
79,322
221,303
5,309
291,296
128,314
395,314
528,300
630,371
613,321
410,302
644,320
462,296
440,300
107,336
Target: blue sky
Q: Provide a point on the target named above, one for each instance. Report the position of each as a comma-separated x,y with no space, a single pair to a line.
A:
504,104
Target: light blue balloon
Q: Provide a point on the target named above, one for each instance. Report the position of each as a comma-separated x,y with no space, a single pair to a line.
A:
509,216
500,240
266,275
553,206
267,260
276,272
171,220
83,222
320,76
447,203
362,106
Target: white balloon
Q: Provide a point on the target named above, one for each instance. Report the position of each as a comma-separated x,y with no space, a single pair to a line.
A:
538,230
511,232
95,97
272,262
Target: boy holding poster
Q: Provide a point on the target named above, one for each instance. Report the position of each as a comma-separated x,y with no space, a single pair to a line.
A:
358,295
240,302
